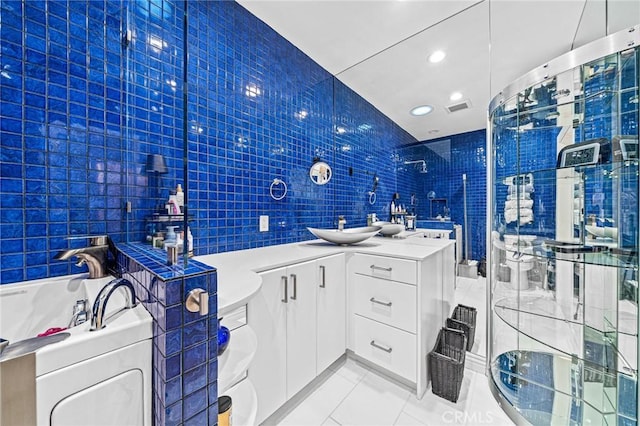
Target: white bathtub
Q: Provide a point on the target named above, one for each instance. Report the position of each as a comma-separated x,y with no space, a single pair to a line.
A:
92,377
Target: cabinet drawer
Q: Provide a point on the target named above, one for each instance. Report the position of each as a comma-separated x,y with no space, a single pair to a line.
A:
389,268
386,301
386,346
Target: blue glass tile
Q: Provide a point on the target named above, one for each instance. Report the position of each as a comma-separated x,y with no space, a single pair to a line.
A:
173,391
173,366
173,414
11,110
194,355
174,316
194,379
12,275
194,403
198,420
174,341
195,332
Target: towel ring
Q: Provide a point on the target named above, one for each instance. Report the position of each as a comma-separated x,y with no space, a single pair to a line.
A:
372,197
276,182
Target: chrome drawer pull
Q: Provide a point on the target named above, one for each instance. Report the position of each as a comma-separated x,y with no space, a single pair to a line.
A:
373,300
295,287
285,283
323,283
375,345
381,268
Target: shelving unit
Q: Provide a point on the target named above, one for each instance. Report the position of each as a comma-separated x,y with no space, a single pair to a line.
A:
233,365
245,403
564,324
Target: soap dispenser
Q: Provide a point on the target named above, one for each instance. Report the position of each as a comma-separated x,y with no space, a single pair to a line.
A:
170,237
180,197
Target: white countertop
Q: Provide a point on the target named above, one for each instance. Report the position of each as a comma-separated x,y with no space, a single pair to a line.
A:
238,278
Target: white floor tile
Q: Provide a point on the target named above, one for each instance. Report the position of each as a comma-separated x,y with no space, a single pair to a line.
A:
435,410
406,420
374,401
330,422
352,370
315,409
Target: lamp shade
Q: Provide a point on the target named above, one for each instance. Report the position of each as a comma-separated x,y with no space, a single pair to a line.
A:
156,164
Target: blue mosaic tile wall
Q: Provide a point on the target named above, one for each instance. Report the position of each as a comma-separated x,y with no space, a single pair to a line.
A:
259,109
446,161
61,141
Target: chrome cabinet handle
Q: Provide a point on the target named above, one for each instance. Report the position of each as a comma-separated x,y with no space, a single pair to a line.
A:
381,268
285,281
295,287
323,283
373,300
375,345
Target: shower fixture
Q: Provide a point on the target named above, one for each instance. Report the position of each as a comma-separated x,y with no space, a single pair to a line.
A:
423,168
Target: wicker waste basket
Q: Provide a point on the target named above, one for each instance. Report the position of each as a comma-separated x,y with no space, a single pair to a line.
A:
446,363
464,318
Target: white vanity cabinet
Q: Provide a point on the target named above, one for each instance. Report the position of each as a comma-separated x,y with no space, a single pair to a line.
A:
283,316
332,310
396,308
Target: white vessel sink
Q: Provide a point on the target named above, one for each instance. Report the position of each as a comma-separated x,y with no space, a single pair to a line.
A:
389,229
346,236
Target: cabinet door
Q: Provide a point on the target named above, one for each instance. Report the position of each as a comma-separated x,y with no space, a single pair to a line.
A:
301,326
331,310
267,314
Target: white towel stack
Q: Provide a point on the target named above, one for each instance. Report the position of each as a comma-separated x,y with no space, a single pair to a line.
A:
519,205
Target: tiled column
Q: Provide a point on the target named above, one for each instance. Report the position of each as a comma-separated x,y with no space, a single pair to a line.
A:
184,343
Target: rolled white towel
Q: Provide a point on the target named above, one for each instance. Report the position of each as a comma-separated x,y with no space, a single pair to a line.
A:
526,219
523,215
510,215
513,189
513,204
522,196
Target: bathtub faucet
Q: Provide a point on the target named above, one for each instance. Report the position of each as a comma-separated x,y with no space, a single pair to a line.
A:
100,305
94,256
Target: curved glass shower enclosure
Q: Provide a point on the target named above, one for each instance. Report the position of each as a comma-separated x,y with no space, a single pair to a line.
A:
563,197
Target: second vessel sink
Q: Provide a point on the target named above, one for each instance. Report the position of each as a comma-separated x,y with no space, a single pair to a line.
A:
346,236
389,229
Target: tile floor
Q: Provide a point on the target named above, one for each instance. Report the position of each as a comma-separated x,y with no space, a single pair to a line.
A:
353,394
473,292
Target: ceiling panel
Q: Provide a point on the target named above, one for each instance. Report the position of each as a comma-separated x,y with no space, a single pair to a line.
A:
379,48
339,34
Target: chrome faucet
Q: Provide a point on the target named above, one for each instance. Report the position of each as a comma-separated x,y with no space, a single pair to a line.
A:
100,305
341,222
80,313
94,256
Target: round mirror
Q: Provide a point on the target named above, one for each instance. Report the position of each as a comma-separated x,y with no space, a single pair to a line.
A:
320,173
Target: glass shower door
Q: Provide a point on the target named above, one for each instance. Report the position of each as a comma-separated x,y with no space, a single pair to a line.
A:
564,189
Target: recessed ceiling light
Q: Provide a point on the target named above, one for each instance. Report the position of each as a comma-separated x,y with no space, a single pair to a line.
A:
421,110
455,96
437,56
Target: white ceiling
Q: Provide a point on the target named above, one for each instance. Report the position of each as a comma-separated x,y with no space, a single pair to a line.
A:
380,48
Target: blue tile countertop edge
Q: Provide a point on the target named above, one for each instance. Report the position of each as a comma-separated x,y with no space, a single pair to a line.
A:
155,261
